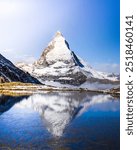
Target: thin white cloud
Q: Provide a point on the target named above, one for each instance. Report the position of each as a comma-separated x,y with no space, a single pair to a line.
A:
107,67
25,58
17,56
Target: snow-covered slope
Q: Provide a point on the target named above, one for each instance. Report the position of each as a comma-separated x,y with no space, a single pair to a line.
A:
9,72
57,51
60,64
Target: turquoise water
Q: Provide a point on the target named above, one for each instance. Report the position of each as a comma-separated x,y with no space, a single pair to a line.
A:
60,121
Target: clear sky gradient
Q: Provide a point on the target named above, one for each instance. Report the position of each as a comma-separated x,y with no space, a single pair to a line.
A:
92,28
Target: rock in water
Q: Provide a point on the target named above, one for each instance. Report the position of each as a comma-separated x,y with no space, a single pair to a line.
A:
2,80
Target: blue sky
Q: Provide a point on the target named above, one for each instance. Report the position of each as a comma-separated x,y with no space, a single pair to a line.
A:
90,26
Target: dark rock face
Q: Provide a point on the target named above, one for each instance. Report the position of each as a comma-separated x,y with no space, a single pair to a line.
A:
9,73
73,79
77,61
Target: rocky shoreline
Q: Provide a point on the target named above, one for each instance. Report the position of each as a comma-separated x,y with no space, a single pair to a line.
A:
25,89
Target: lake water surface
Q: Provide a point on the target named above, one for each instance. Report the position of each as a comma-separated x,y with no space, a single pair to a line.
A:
60,121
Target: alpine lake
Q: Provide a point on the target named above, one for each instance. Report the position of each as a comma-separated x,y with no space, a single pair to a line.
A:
60,121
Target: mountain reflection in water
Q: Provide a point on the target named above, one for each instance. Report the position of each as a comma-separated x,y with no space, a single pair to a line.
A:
58,110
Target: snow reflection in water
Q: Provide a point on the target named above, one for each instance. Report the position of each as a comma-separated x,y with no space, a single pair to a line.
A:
58,109
59,120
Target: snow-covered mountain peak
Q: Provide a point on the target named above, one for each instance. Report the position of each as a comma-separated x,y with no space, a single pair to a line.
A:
58,37
58,34
57,51
58,63
59,42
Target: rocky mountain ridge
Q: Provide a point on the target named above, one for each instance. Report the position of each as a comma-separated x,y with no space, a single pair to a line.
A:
10,73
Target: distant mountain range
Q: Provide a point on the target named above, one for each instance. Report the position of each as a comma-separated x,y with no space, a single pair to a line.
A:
59,66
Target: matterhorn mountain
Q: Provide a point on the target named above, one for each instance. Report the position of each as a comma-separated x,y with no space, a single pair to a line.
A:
59,65
10,73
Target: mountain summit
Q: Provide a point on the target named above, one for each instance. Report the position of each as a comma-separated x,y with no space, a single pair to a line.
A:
59,64
58,51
